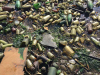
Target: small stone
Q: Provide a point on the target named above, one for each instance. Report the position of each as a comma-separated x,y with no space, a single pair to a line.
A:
75,56
88,50
48,40
71,67
61,74
62,67
16,22
68,63
64,57
63,61
43,69
72,61
55,65
13,29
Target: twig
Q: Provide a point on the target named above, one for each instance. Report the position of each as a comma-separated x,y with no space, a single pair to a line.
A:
91,57
81,64
27,71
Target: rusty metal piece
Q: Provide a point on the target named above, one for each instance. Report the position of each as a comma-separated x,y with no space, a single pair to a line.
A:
89,28
6,8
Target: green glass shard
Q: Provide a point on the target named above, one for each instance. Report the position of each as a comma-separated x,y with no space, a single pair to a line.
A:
37,5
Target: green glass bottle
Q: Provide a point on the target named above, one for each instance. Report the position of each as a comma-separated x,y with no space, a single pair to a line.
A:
90,5
69,18
18,4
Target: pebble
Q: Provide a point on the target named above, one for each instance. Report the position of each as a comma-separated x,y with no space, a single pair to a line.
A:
63,61
13,29
61,74
16,22
62,67
71,67
72,61
65,57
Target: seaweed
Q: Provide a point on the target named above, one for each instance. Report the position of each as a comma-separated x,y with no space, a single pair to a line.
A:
17,40
93,63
